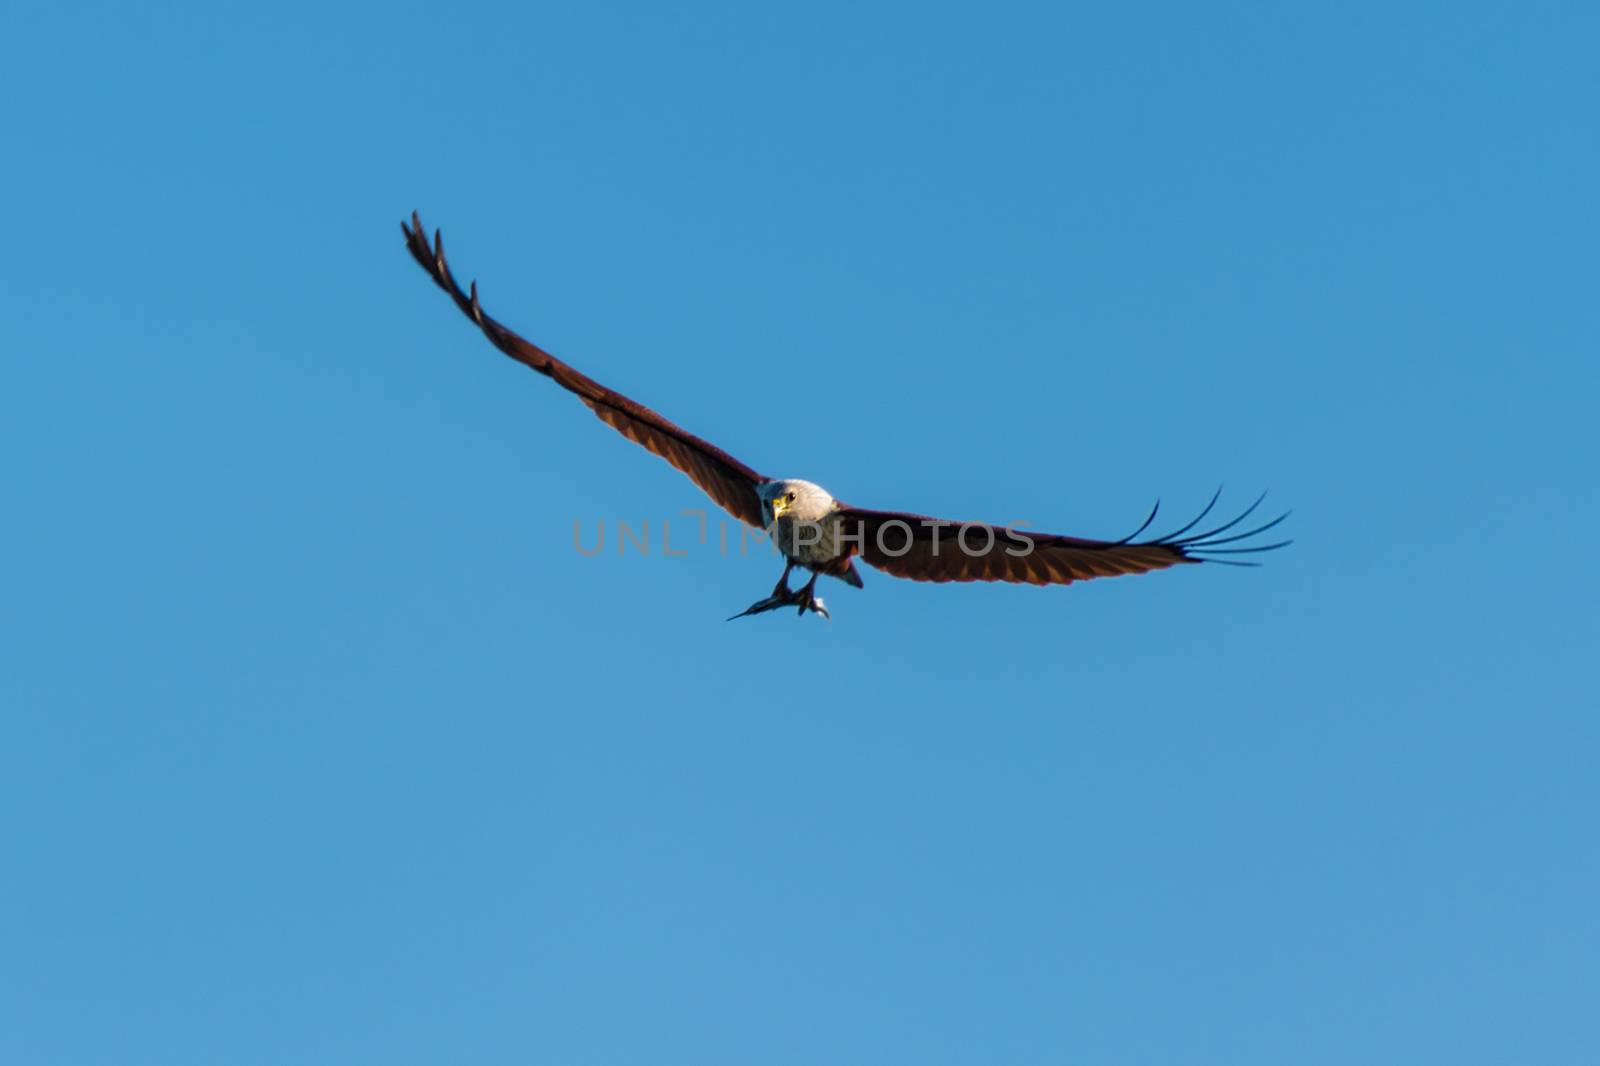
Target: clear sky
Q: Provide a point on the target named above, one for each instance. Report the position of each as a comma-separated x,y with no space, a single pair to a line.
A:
321,744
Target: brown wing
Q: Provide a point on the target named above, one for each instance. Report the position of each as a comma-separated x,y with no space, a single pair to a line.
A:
724,478
934,549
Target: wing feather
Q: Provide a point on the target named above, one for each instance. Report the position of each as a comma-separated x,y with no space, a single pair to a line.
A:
929,549
725,479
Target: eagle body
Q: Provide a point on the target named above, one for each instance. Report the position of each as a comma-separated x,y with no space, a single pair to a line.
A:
807,525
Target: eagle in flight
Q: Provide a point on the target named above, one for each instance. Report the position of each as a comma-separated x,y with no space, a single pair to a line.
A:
819,533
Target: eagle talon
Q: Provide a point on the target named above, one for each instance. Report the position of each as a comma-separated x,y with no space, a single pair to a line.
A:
803,599
807,600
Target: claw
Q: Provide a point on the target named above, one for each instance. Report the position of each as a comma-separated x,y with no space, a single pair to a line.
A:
788,598
810,601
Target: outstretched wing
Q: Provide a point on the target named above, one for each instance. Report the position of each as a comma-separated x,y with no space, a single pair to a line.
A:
724,478
934,549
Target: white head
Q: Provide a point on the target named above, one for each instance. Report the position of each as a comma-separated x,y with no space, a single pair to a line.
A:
795,499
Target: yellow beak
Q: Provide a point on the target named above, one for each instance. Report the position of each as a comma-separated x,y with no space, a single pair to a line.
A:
779,505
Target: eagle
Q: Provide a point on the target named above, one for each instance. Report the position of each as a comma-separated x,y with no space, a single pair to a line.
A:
820,534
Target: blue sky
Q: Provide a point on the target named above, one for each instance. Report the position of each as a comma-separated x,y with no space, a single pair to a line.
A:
321,744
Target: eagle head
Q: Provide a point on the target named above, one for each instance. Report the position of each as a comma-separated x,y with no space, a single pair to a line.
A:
797,500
